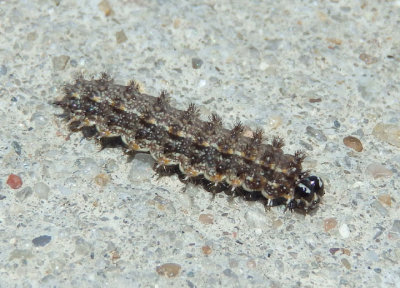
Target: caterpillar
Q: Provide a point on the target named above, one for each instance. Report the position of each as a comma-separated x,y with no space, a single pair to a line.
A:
179,141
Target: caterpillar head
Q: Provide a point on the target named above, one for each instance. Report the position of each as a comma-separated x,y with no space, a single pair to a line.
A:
307,194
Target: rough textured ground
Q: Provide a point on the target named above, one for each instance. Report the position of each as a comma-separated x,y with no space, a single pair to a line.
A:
313,73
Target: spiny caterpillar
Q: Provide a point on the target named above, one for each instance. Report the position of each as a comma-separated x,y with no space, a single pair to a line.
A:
201,151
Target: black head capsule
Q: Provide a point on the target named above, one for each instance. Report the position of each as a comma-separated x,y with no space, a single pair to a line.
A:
307,194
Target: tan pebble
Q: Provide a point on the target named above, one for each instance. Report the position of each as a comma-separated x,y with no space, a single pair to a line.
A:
105,7
329,224
206,218
353,143
277,223
346,263
169,270
206,250
115,256
334,41
251,264
176,23
389,133
314,100
120,37
378,171
345,251
368,59
102,179
385,199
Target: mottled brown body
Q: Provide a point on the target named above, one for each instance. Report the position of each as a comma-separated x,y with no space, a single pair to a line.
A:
174,137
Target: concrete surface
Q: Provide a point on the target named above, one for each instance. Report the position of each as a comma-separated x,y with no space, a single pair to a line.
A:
312,72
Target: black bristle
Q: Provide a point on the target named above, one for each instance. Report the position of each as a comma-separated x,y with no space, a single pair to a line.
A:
278,142
257,137
133,86
215,121
237,130
299,156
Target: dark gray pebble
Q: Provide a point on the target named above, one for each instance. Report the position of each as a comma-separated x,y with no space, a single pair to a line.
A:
196,63
316,133
41,240
17,147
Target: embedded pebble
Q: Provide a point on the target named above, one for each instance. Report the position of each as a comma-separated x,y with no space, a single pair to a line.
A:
17,147
353,143
32,36
346,263
229,273
331,147
368,59
196,63
206,250
3,70
105,7
41,241
344,231
82,247
206,218
378,171
39,119
316,133
14,181
41,190
385,199
120,37
343,250
274,121
396,227
329,224
169,270
88,167
333,250
111,165
306,145
255,217
314,100
389,133
141,169
251,264
162,203
20,254
379,207
395,234
102,179
59,62
24,193
279,265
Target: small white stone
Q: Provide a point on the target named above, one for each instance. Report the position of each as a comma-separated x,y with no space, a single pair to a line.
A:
263,66
344,231
275,121
202,83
